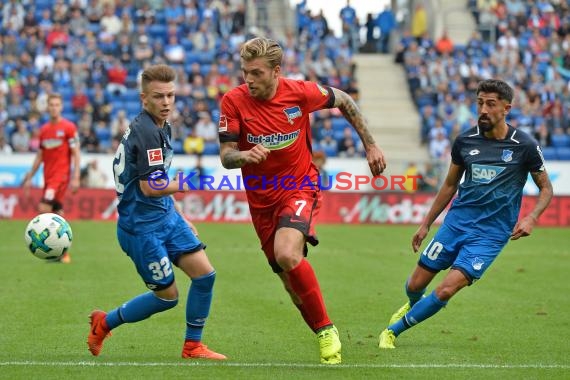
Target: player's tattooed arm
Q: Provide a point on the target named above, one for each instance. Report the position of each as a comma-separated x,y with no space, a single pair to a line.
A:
545,192
352,113
231,156
526,224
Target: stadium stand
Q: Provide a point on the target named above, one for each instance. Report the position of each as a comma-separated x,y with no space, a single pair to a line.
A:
524,43
92,52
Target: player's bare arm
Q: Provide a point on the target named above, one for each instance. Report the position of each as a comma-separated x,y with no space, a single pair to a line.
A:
525,225
442,199
233,158
352,113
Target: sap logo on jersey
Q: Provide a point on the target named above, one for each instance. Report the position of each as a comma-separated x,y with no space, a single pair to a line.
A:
485,173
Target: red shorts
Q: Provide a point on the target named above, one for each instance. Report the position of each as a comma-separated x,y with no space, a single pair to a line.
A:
54,193
299,210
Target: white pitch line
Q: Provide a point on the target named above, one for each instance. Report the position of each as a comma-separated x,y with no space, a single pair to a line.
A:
283,365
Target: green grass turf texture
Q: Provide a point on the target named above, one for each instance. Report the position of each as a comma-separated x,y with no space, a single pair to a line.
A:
512,324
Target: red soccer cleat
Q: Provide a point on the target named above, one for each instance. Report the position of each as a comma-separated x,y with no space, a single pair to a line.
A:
197,350
99,331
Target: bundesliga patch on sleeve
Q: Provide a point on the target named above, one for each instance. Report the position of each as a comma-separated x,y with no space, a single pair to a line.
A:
322,90
223,124
154,157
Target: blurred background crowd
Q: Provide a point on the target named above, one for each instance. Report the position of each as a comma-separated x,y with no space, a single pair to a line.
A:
526,43
93,51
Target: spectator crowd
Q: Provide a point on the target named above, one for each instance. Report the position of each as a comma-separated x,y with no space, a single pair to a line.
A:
526,43
93,51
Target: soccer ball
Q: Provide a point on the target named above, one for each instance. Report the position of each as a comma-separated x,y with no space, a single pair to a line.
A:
48,236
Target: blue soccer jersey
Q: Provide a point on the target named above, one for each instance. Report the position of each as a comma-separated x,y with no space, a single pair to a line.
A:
144,150
496,171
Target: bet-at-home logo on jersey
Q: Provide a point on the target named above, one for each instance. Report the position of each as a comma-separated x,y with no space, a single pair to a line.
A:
485,173
274,141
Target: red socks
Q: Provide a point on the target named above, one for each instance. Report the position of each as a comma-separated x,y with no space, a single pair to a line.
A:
304,283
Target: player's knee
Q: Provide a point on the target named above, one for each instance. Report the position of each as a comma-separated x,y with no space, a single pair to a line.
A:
169,294
445,292
414,286
288,261
166,303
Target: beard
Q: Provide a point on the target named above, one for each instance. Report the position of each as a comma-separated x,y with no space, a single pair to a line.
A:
485,124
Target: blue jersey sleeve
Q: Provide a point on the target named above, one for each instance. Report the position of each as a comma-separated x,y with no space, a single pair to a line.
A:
535,159
456,153
150,155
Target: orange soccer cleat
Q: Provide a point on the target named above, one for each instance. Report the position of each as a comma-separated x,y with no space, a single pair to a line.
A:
99,331
197,350
65,258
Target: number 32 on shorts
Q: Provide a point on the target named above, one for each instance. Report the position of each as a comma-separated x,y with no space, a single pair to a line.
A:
433,250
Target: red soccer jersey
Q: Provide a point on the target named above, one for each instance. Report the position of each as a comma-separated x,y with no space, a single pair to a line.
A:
56,141
282,125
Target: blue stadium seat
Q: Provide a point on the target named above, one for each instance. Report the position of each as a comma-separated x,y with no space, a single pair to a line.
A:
159,17
211,148
132,80
105,145
425,100
338,135
514,113
132,95
339,123
94,28
563,153
158,31
190,58
71,116
177,146
330,151
66,93
103,134
67,108
133,107
187,44
206,57
43,4
559,141
549,153
10,128
205,69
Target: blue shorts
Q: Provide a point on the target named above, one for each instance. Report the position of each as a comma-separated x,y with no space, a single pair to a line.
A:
468,253
154,251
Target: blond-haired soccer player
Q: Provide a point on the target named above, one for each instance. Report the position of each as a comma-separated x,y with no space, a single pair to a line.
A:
264,130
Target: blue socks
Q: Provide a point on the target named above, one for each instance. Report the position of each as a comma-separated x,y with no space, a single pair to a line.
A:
137,309
422,310
147,304
198,305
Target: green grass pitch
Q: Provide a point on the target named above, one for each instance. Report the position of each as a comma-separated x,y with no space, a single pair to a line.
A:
514,323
